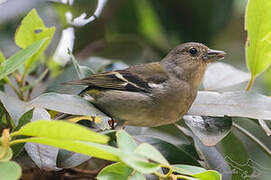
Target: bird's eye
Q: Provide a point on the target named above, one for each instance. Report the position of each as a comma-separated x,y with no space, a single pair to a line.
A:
193,51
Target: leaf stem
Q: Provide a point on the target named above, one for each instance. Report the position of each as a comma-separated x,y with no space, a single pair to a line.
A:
17,141
253,138
4,142
13,87
252,78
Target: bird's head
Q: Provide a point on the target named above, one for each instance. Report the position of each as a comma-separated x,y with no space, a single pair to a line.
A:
188,61
195,53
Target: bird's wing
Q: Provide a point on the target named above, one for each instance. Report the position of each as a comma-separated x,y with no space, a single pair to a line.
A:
136,78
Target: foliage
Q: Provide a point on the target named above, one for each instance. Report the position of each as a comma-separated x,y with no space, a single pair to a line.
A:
258,26
186,150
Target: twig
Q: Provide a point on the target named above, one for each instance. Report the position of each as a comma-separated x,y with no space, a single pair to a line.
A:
253,138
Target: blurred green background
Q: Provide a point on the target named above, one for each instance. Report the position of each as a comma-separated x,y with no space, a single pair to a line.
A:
136,31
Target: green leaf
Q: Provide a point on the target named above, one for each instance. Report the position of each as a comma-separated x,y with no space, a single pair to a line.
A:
139,163
119,171
2,57
151,26
26,118
197,172
187,169
172,153
125,142
30,86
31,30
236,156
17,60
258,26
151,153
210,130
10,170
82,71
88,148
208,175
127,146
61,130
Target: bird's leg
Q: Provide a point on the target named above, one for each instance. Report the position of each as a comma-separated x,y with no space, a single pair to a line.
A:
111,123
121,125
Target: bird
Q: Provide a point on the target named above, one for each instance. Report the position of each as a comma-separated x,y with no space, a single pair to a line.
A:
151,94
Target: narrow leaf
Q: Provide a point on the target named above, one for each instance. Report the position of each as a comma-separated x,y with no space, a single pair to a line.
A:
17,60
81,71
258,26
61,130
88,148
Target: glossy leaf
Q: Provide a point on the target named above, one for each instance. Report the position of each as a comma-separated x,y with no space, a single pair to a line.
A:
127,146
151,153
125,142
68,159
236,156
88,148
172,153
139,163
10,170
26,118
43,156
187,169
17,60
61,130
82,71
31,30
119,171
233,104
221,75
208,175
258,26
210,130
213,159
15,107
265,127
70,104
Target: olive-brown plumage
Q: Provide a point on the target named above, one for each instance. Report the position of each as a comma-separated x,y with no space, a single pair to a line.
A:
151,94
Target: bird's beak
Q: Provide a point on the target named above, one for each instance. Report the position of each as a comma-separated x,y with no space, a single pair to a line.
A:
214,55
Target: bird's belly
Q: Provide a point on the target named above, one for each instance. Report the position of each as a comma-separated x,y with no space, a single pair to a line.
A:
142,110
